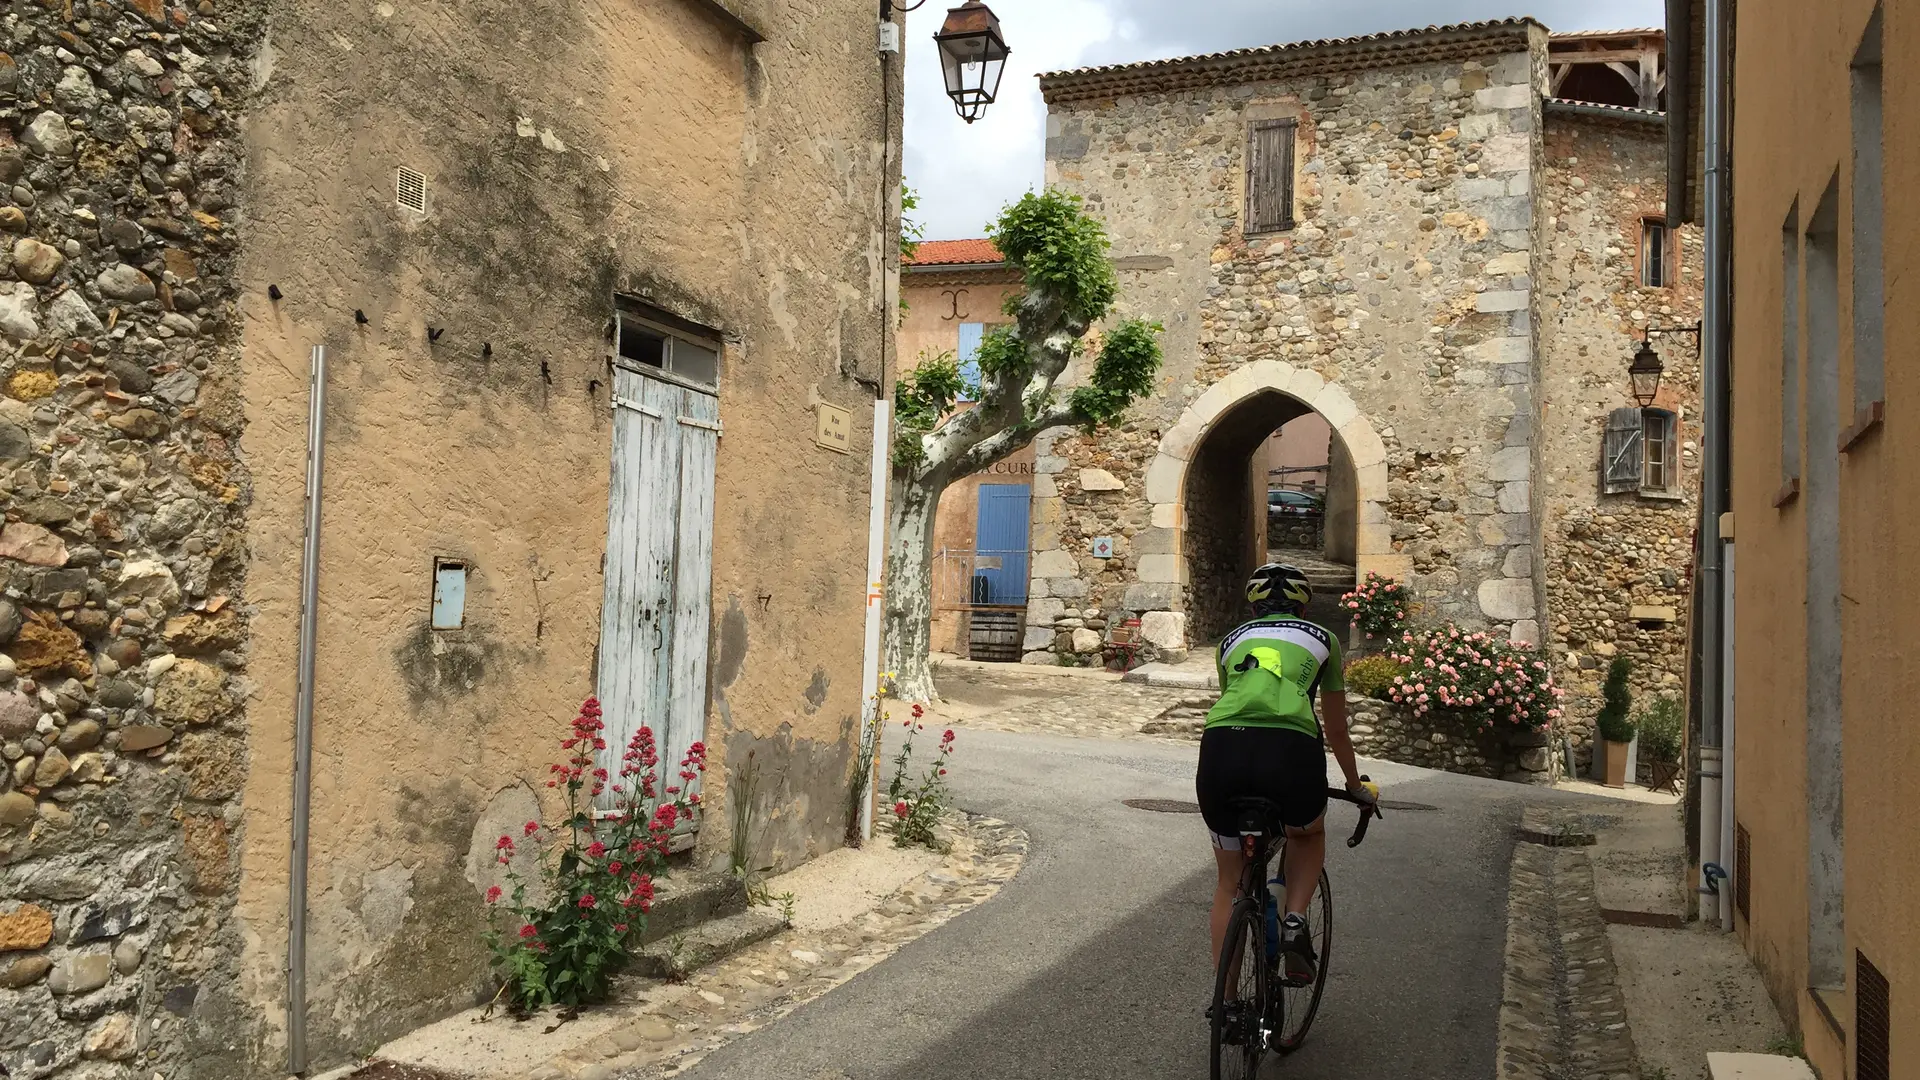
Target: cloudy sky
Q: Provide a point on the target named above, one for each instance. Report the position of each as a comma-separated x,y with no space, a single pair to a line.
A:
965,173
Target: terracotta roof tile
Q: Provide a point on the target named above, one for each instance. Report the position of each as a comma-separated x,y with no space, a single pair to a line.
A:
955,252
1348,52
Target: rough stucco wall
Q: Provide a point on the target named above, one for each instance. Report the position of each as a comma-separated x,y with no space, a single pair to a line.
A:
931,327
125,610
1406,283
548,193
1790,138
1605,554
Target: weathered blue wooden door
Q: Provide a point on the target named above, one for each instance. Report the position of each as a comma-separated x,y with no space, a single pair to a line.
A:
1000,545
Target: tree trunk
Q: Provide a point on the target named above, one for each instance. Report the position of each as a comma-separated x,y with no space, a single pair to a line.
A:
909,586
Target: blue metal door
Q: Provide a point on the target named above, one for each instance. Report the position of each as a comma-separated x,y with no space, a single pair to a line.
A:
1000,544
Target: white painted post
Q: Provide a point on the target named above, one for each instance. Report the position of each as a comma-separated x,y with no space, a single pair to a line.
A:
870,659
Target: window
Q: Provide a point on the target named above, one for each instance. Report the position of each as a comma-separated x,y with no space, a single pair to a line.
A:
967,356
1270,177
1656,254
1641,452
1657,433
649,338
1869,298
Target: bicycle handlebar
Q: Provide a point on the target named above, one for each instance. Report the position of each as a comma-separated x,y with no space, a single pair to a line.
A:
1368,811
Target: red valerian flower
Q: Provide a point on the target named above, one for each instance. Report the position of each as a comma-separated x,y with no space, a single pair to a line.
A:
527,931
505,844
493,894
596,849
587,901
619,928
614,867
918,712
531,827
900,808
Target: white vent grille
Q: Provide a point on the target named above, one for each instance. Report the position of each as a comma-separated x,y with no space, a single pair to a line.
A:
410,189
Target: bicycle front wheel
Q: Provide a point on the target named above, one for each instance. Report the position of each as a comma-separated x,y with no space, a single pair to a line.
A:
1296,1006
1239,997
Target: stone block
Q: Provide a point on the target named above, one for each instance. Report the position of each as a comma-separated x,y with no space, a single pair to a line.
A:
1516,67
1507,599
1041,656
1757,1067
1502,350
1049,463
1057,563
1038,637
1149,596
80,973
1481,126
1045,487
1302,383
1156,542
1520,185
1507,300
1512,96
1652,613
1519,429
1363,445
1037,588
1505,153
1164,630
1525,632
1335,406
1180,440
1510,212
1168,569
1067,588
1164,479
1516,497
1480,189
1086,641
1510,464
1100,480
1042,612
1508,264
1371,480
1398,567
1169,516
1519,562
1373,538
1498,530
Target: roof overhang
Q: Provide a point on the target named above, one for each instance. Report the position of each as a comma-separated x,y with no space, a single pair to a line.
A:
1685,32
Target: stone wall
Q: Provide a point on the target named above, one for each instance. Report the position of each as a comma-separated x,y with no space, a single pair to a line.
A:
1381,729
1400,307
125,615
1609,558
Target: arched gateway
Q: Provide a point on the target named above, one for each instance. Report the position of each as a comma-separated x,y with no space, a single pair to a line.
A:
1202,564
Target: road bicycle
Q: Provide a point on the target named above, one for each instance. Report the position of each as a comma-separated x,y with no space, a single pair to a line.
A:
1255,1008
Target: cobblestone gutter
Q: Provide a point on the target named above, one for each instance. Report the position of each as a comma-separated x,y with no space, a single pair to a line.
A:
1562,1015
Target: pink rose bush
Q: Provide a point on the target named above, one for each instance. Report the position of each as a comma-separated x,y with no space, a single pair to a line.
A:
1479,678
1379,606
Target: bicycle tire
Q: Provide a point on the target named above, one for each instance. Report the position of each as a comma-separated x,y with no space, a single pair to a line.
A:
1246,932
1295,1007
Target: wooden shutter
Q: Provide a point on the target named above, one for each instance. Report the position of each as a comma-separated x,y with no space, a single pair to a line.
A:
1622,459
1872,1021
1742,870
1270,176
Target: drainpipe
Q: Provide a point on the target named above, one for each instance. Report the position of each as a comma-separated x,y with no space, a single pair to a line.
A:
889,46
303,726
1715,779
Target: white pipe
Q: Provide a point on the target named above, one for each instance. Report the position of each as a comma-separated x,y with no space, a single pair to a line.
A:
1710,811
303,724
876,562
1729,851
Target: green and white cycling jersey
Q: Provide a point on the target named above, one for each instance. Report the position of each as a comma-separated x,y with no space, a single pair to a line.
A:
1270,671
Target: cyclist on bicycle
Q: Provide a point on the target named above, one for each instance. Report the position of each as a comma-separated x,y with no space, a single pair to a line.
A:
1262,740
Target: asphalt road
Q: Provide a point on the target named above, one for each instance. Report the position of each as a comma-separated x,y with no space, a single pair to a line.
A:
1092,962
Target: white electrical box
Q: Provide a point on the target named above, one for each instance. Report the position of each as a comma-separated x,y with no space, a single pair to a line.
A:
890,37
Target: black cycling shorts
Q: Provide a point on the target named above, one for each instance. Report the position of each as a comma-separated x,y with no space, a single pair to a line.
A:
1288,767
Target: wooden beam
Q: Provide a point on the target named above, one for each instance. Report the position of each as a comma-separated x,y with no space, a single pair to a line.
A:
1594,56
1648,82
1560,73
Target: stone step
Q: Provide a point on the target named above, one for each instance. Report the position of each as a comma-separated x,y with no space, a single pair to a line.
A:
688,899
688,950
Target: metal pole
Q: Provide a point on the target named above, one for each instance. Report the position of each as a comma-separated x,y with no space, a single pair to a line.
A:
303,726
876,566
1716,486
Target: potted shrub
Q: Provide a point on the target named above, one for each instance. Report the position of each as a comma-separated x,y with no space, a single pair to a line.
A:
1662,737
1614,725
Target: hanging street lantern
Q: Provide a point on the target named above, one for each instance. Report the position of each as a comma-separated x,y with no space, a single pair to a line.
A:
972,56
1645,373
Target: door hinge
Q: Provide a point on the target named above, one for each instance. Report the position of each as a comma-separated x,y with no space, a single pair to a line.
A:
629,403
706,425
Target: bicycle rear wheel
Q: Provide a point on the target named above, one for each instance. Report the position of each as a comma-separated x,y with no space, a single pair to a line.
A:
1239,997
1296,1006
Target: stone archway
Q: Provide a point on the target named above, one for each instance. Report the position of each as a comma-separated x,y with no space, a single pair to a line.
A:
1167,476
